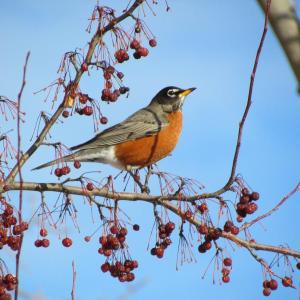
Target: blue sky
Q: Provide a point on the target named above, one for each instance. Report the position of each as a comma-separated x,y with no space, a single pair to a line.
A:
207,44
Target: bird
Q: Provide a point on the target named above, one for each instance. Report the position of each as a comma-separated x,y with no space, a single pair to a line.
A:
145,137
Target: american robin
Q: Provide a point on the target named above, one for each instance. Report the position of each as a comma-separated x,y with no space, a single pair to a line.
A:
144,138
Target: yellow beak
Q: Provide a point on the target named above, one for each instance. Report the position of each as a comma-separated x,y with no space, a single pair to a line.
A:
186,92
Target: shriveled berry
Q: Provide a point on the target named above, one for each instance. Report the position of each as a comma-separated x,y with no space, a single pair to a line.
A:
67,242
120,75
136,227
287,281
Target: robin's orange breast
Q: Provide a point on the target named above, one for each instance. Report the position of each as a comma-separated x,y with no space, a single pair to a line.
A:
148,150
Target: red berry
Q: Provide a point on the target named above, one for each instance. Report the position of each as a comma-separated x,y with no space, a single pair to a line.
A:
227,262
266,284
135,44
225,279
228,225
83,98
273,284
43,232
103,120
153,43
170,226
110,69
45,243
58,172
159,252
77,164
266,292
107,252
203,229
84,67
235,230
65,170
105,267
87,110
65,114
202,208
142,51
103,240
120,75
287,281
90,186
298,266
67,242
136,227
188,214
87,238
123,231
254,196
38,243
244,199
114,229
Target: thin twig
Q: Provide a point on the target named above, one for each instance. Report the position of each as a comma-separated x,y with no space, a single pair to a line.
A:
18,255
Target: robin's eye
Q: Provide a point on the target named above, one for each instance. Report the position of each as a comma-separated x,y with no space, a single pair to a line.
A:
172,93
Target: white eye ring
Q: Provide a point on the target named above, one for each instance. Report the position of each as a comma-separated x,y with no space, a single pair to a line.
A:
172,93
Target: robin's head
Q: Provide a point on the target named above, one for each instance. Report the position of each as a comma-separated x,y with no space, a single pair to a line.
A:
171,98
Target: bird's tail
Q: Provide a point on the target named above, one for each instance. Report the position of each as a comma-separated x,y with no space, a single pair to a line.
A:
55,161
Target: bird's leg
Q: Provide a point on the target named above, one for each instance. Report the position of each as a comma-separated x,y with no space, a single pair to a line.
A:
148,175
136,178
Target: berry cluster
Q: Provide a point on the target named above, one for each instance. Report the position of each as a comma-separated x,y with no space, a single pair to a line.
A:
227,264
230,227
270,285
164,233
121,270
210,234
246,205
10,231
7,283
110,244
42,242
65,170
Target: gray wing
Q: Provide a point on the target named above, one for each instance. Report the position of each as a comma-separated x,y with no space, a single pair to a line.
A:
144,122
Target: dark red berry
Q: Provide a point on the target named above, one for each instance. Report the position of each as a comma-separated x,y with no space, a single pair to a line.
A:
225,279
227,262
77,164
136,55
67,242
65,170
266,292
103,120
123,231
254,196
105,267
45,243
235,230
58,172
135,44
273,284
120,75
153,43
38,243
87,110
298,266
159,252
245,191
136,227
202,208
142,51
114,229
43,232
110,69
203,229
84,67
87,238
266,284
65,113
90,186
